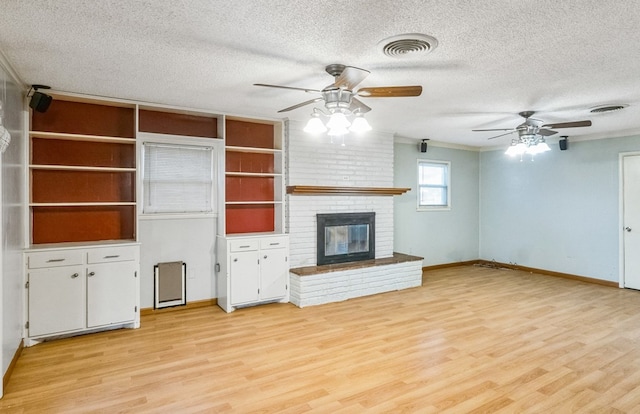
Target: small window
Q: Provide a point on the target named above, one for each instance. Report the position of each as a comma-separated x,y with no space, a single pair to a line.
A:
178,178
433,185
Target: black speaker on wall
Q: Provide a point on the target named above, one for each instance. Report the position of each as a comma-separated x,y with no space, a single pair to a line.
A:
40,101
564,143
423,145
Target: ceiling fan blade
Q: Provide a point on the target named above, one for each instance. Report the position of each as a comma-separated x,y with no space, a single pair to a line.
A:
546,132
498,129
300,105
390,91
350,77
502,135
575,124
287,87
358,104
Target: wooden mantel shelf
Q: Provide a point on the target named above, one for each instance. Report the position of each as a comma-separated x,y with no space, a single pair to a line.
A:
364,191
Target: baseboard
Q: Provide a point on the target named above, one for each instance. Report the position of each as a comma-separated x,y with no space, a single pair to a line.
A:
12,365
447,265
548,273
191,305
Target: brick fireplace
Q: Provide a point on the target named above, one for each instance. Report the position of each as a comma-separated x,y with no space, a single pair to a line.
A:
365,165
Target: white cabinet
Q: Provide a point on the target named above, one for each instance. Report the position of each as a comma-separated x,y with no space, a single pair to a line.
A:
252,270
78,289
56,300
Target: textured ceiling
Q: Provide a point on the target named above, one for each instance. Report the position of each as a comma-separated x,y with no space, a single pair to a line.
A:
494,59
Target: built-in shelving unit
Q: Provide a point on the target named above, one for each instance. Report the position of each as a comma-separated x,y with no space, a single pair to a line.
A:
82,172
254,190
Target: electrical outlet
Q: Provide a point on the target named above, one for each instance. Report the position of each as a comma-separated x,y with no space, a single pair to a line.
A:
345,177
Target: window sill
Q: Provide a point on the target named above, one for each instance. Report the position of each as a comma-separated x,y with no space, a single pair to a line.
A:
444,208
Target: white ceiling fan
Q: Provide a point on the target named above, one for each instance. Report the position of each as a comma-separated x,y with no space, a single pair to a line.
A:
341,94
532,127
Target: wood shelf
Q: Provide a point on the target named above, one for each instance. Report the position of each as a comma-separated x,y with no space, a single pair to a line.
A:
250,174
80,137
253,150
240,203
363,191
79,168
87,204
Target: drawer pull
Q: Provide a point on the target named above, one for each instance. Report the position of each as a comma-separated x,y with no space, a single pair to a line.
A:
55,260
92,274
274,244
113,256
244,247
73,276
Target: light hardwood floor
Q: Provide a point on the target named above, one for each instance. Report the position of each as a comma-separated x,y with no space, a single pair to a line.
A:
470,340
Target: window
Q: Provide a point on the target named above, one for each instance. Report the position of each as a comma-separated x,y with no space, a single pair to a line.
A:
433,185
178,178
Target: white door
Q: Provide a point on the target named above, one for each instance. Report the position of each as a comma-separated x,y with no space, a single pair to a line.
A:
243,272
631,220
111,293
274,272
56,300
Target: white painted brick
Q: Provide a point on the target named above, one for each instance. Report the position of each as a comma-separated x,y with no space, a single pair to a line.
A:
347,284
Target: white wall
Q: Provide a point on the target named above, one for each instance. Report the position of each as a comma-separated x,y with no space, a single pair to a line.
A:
364,161
439,236
12,227
190,240
559,212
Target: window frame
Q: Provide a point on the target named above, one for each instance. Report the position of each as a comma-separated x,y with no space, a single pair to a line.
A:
446,185
178,141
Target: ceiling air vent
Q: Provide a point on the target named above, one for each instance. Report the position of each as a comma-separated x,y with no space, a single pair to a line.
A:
606,108
407,45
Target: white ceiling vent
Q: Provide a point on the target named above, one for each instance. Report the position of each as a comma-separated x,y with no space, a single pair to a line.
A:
606,108
406,45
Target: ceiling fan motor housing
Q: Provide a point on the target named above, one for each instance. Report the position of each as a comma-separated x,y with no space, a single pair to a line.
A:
337,98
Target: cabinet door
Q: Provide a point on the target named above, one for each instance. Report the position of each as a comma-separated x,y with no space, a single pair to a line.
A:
274,271
56,300
244,274
111,293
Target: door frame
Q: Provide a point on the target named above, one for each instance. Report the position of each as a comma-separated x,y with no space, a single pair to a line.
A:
621,157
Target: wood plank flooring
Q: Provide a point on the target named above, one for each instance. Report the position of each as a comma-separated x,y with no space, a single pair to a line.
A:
470,340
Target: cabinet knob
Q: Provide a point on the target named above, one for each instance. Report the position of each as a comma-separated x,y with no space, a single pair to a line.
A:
265,256
73,276
235,260
92,273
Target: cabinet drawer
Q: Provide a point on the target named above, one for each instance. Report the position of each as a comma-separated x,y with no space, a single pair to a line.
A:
243,245
37,260
274,242
111,254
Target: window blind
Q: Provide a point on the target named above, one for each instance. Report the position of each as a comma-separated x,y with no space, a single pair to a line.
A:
178,178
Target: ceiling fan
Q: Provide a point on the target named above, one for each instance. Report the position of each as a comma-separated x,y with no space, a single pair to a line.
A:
534,127
341,95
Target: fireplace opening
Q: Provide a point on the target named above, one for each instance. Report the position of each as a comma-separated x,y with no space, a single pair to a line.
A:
345,237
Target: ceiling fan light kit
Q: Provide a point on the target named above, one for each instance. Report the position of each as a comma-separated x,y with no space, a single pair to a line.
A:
527,144
344,111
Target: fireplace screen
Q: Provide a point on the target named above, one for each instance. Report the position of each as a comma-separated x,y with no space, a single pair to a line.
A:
345,237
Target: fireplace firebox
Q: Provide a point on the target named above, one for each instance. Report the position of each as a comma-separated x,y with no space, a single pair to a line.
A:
345,237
